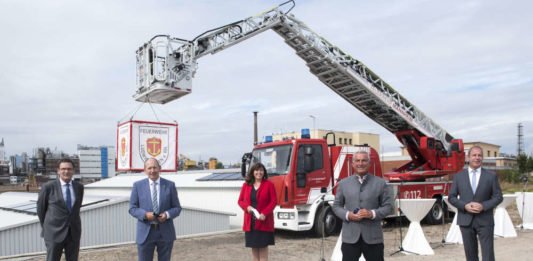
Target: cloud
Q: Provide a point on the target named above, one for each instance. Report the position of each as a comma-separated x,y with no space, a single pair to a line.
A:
68,70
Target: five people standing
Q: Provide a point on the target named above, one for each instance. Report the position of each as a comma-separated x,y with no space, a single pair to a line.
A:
475,193
58,209
258,200
362,201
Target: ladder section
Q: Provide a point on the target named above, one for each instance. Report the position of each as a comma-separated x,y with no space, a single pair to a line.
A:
357,84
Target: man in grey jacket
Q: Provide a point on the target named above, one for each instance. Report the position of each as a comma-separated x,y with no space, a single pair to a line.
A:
362,201
58,209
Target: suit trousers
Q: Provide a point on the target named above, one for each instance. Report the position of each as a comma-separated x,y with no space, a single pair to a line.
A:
54,250
155,240
470,236
371,252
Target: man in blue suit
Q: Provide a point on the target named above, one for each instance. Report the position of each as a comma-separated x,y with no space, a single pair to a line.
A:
154,203
475,193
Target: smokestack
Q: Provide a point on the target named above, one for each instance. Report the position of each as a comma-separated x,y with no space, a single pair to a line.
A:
520,145
255,127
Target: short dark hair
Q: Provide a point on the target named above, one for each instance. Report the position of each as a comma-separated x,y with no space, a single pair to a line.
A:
250,179
65,160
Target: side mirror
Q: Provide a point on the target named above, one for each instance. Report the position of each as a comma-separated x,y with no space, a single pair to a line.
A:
246,159
330,139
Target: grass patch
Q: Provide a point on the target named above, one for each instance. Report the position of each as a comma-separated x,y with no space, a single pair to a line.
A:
508,187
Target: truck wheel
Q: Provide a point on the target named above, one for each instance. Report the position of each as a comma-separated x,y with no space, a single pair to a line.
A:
325,221
436,213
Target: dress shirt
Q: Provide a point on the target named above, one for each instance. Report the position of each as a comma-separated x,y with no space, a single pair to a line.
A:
478,174
158,188
64,190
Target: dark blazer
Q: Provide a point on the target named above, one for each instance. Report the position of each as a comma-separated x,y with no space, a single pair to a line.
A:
373,194
53,214
488,193
266,202
141,202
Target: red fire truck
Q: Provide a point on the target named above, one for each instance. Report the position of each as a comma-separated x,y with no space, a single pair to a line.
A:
305,171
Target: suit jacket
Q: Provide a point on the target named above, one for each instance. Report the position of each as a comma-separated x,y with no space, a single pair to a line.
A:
373,194
488,193
266,202
53,214
141,202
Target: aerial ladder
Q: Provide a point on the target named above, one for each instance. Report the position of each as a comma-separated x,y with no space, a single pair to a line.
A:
166,66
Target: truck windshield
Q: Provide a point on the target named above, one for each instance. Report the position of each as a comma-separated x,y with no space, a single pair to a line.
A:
276,159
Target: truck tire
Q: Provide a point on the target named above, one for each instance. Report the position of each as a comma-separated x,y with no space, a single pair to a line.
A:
325,221
436,213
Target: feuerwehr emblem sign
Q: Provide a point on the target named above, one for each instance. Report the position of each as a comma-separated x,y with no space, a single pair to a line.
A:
154,142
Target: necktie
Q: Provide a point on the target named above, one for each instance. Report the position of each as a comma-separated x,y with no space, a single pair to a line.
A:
474,179
69,198
155,204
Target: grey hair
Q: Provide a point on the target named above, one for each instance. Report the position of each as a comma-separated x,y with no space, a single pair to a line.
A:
362,152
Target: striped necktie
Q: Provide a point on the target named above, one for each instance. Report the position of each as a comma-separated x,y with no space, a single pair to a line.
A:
155,204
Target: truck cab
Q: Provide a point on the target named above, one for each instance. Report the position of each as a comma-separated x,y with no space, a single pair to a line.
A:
298,168
304,172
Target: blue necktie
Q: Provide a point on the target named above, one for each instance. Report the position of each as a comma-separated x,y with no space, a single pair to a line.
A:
69,198
473,182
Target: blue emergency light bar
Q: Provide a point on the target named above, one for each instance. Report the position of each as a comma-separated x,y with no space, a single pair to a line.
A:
306,134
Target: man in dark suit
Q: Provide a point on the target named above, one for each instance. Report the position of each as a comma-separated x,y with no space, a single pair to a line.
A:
154,203
475,193
362,201
58,208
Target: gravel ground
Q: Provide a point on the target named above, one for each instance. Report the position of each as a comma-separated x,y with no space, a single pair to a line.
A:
291,246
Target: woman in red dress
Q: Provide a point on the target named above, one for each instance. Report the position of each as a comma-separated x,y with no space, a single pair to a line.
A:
258,200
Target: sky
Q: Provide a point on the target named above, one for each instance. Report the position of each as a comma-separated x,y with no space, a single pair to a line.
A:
67,73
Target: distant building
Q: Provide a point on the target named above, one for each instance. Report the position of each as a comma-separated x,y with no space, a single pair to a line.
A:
2,152
489,150
492,158
44,163
51,160
341,137
4,166
96,162
212,163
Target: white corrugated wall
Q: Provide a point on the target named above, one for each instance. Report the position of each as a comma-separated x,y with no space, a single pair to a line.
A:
108,223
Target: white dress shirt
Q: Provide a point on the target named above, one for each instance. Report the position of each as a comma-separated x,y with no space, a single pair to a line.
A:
478,174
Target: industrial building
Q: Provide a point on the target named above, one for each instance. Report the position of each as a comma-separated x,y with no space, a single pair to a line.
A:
341,137
96,162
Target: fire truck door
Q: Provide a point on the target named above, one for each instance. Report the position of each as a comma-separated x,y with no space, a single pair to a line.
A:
310,173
